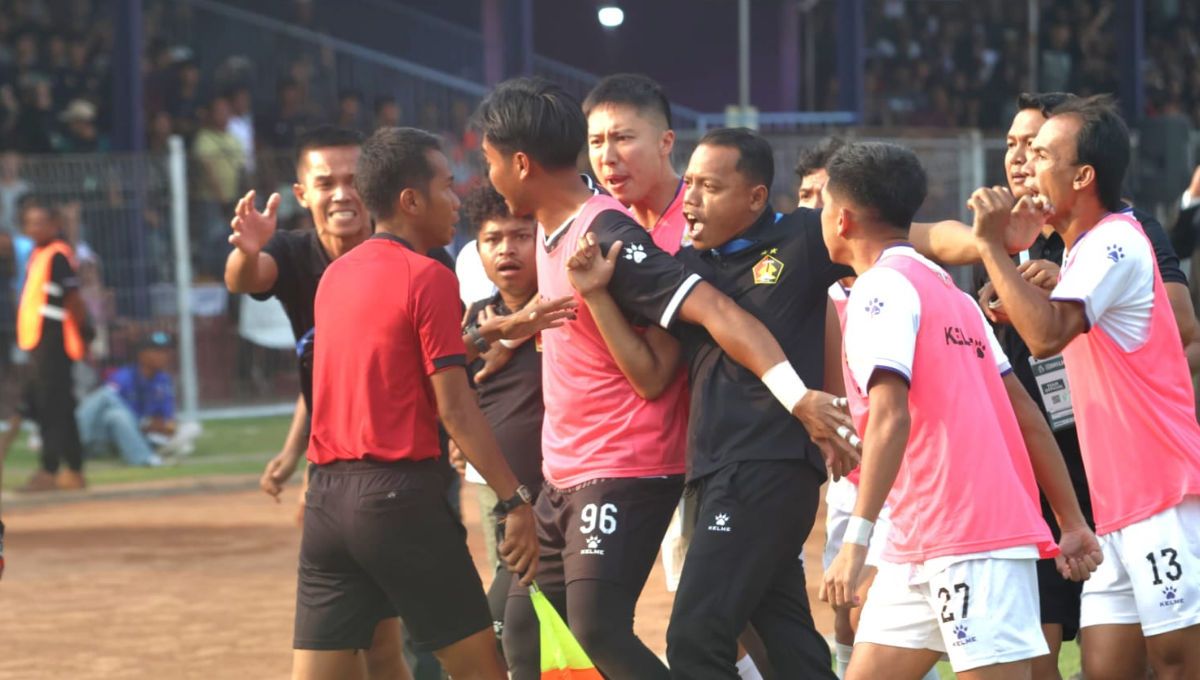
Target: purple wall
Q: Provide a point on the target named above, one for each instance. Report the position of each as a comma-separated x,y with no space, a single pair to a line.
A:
690,46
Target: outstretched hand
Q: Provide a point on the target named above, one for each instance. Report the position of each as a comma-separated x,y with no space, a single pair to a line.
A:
251,228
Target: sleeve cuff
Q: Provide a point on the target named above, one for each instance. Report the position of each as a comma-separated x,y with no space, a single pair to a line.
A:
890,367
681,293
1188,200
449,361
1087,312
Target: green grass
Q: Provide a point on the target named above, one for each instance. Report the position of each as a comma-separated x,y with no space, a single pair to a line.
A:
1068,662
226,447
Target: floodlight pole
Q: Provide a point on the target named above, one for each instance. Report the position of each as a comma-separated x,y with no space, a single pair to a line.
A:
1034,12
744,55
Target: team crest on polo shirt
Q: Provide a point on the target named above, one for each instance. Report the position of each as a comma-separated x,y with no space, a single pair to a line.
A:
768,269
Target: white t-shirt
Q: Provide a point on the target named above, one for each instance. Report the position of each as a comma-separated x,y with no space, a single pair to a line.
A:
473,283
883,317
1111,271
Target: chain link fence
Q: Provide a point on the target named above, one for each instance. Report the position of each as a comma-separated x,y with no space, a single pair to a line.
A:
150,232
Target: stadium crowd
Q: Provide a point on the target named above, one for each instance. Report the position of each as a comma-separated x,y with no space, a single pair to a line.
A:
947,64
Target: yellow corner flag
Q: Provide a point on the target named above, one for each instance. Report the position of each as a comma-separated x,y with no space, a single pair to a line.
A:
562,657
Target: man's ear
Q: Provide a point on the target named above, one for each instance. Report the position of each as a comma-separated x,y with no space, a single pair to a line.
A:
523,164
1084,176
758,198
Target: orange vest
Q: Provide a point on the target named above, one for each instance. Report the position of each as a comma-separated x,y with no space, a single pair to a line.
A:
33,303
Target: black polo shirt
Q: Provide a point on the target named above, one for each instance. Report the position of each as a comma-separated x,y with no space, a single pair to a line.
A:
779,271
511,400
300,260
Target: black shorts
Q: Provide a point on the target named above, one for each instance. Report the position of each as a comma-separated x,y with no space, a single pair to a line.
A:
1059,598
606,530
380,541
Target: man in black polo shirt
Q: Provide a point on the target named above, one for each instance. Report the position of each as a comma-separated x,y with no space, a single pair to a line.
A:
755,469
511,398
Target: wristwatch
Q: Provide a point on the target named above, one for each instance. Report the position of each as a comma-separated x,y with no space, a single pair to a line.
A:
522,496
478,340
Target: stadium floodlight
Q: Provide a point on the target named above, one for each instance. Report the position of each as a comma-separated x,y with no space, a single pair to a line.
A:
610,15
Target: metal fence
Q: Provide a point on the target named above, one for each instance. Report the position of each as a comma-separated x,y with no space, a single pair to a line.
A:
151,234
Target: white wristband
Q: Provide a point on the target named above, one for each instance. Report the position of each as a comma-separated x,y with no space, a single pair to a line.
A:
785,384
858,531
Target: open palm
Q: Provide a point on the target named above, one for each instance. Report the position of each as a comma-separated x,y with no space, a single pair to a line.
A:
251,228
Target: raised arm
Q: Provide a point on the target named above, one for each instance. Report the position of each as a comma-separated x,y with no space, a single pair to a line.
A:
248,269
1046,325
952,242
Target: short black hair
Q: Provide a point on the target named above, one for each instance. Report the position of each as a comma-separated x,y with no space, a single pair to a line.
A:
483,204
633,89
382,101
885,178
324,137
536,117
1102,142
392,160
815,158
756,161
1042,101
349,94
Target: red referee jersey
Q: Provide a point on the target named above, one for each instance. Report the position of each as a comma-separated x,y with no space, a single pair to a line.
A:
386,319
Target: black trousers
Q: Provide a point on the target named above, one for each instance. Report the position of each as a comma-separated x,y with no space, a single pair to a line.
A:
51,396
744,566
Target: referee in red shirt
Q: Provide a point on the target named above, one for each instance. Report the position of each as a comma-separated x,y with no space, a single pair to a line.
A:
378,533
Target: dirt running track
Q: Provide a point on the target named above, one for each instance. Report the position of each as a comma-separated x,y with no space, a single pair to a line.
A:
181,586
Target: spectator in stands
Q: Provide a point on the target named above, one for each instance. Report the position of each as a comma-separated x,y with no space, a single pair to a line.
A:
220,161
12,188
80,134
159,132
183,100
35,119
349,114
387,112
241,122
280,129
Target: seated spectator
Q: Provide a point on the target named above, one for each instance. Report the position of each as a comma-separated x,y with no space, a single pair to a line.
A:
12,188
350,111
387,112
80,134
135,411
241,121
